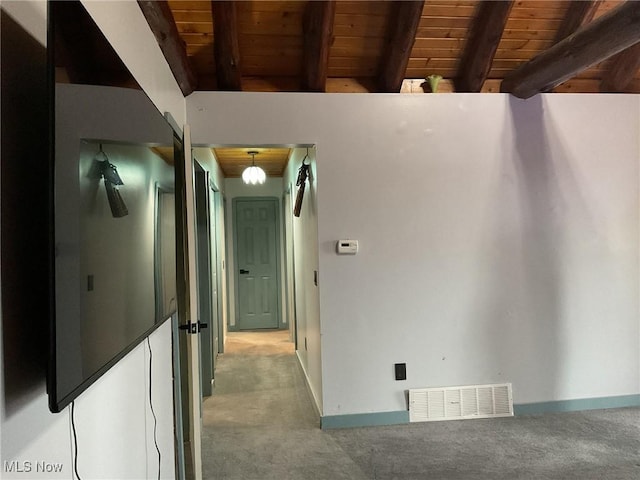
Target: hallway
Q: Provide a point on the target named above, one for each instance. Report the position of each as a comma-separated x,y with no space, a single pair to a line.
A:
260,424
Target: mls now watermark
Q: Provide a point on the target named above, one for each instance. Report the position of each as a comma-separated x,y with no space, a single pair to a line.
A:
15,466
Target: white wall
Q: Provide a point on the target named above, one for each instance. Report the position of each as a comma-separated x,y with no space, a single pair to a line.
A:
304,235
114,425
113,422
499,237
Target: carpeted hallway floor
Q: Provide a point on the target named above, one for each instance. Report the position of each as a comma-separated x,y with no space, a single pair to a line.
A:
260,424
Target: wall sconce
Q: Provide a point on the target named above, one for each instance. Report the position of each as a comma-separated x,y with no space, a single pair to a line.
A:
253,174
102,168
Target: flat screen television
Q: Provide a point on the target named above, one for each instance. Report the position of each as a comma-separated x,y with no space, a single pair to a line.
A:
113,245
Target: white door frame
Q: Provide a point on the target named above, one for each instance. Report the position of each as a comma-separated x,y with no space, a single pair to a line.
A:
193,340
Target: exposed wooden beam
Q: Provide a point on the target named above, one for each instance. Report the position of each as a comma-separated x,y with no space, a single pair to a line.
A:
225,45
411,85
404,22
163,26
579,13
486,32
591,44
621,71
318,35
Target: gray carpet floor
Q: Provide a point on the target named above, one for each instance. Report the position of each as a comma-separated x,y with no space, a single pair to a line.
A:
260,424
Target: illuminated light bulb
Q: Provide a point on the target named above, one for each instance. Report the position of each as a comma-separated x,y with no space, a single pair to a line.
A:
253,175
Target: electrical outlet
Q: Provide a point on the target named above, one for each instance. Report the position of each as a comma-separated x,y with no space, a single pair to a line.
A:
401,371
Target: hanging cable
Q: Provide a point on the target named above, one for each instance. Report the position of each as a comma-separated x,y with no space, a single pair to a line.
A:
75,441
155,419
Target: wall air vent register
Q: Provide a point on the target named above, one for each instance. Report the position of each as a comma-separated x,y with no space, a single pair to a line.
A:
457,403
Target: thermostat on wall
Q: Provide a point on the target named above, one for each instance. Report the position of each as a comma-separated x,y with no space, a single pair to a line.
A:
347,247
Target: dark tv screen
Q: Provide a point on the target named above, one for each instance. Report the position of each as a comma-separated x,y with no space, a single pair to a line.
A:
113,217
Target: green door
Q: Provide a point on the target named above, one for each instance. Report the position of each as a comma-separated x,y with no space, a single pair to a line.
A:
257,264
216,313
208,312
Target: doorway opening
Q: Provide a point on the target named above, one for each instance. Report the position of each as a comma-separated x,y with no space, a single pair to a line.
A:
257,272
257,258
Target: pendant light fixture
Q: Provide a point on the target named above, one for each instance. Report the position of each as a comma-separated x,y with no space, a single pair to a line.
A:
253,175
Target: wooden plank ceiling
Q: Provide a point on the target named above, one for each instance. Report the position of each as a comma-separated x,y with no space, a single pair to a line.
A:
233,160
372,46
521,47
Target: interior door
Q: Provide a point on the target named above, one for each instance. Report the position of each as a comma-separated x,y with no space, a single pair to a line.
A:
257,263
216,304
189,343
289,284
219,202
207,312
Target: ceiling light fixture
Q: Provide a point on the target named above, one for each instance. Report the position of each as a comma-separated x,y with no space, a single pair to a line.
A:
253,174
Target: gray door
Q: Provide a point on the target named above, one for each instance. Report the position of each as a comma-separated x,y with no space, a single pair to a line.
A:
220,264
257,263
216,314
289,284
208,312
